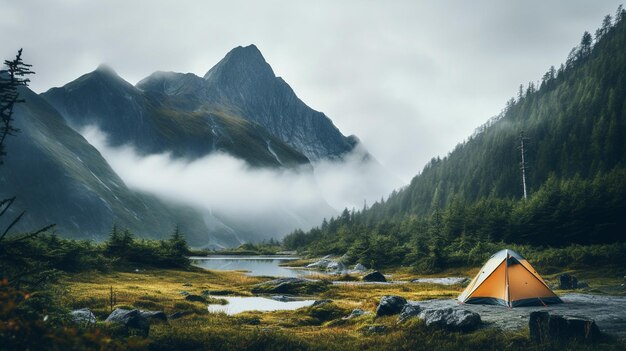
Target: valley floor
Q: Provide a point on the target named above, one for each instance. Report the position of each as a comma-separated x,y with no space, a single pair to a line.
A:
307,328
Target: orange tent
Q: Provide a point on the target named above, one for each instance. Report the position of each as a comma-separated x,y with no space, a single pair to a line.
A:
508,279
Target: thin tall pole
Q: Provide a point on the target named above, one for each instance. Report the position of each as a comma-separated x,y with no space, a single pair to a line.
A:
521,138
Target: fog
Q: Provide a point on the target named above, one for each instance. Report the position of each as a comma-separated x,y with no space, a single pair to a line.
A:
273,201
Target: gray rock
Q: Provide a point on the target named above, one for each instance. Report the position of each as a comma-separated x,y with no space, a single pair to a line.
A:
375,276
390,305
545,327
131,319
451,319
184,293
321,302
336,267
357,312
83,316
195,298
567,281
291,286
154,315
442,281
359,268
409,310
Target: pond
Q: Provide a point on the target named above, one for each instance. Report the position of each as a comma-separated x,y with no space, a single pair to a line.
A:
253,265
242,304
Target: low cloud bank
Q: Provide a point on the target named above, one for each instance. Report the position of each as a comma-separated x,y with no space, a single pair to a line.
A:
272,201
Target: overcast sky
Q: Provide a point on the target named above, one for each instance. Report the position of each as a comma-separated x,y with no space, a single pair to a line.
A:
410,78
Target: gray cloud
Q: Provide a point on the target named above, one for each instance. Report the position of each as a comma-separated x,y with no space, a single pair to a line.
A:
274,200
410,78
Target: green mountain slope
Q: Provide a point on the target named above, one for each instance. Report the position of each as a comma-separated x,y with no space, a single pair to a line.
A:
575,124
156,123
58,177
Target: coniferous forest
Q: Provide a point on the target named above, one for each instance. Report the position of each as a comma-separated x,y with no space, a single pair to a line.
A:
573,125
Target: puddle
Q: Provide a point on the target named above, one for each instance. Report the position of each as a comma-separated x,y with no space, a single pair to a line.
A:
242,304
253,265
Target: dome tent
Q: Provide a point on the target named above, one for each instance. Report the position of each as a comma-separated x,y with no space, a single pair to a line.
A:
508,279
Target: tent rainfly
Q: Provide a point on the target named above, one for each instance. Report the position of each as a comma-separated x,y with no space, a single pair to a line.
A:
508,279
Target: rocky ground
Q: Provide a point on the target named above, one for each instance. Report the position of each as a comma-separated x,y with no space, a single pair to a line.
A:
609,312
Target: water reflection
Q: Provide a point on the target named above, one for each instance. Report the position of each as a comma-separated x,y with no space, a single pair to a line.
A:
254,265
242,304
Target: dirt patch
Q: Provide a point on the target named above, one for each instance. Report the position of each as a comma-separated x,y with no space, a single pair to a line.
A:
609,312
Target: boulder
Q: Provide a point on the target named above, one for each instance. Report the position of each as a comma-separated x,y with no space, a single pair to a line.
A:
357,312
545,327
409,310
359,268
154,315
336,267
292,286
195,298
83,316
390,305
131,319
375,276
321,302
451,319
567,281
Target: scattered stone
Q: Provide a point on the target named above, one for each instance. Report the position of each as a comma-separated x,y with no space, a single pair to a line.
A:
451,319
83,316
443,281
180,314
195,298
154,315
336,267
545,327
184,293
131,319
292,286
359,268
321,302
409,310
567,282
357,312
390,305
375,276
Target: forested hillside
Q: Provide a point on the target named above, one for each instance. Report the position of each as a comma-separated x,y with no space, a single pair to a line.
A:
573,122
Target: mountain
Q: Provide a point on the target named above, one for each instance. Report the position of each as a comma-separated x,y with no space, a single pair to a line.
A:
574,133
155,123
58,177
244,84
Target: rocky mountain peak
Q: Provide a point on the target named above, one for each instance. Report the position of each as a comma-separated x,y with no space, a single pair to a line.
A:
241,66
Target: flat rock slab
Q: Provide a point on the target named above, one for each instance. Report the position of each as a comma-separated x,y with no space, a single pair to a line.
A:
442,281
609,312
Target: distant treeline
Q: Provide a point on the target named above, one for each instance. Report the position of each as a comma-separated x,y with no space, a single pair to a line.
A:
30,262
574,127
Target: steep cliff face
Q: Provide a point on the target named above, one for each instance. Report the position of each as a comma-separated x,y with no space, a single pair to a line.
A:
58,177
154,122
244,84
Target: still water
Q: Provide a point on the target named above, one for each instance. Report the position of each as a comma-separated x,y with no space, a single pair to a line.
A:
241,304
253,265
